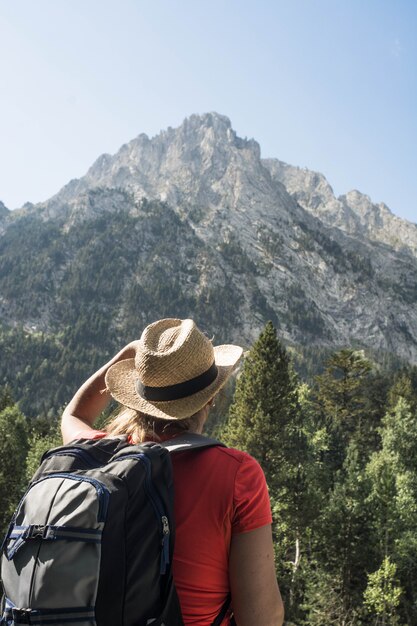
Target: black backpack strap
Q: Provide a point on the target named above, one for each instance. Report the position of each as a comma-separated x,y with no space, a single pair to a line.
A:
194,441
223,611
190,441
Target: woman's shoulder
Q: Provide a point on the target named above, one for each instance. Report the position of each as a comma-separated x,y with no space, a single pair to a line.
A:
238,462
235,455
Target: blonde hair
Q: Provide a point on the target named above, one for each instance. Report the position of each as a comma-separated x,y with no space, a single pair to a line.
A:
140,427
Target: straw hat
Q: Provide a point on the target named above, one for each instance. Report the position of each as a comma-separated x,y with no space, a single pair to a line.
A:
175,372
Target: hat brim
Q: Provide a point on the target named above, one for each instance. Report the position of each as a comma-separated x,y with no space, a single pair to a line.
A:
121,383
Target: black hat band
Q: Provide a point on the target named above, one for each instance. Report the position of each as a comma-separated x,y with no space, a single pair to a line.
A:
180,390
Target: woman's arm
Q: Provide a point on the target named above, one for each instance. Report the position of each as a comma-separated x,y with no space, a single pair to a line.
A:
256,599
90,399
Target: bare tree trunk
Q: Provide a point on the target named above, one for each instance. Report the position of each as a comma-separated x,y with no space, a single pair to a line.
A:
295,565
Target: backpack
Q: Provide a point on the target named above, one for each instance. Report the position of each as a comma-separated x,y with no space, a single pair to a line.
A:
91,542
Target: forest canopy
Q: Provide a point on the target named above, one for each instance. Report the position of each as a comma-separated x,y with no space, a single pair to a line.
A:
340,457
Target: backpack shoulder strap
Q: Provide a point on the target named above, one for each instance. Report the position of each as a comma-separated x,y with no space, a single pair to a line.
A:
194,441
190,441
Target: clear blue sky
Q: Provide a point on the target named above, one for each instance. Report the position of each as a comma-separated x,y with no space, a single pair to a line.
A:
326,84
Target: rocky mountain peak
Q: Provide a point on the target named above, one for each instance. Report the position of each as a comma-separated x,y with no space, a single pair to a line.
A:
377,222
360,203
308,187
177,165
3,210
204,164
100,166
353,212
220,124
235,238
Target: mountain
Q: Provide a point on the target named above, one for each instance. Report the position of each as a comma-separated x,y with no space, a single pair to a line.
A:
193,222
353,213
4,211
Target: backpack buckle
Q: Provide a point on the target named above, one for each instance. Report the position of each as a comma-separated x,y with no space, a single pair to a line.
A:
36,531
21,615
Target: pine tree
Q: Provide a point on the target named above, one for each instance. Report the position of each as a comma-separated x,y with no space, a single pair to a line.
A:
393,499
346,422
343,401
264,404
382,595
403,387
265,420
343,533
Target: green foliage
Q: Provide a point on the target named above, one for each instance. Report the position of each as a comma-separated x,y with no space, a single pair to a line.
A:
29,271
343,400
345,418
382,595
264,403
33,370
265,420
22,444
93,285
41,440
14,435
303,313
342,533
342,482
393,497
339,454
78,286
323,600
6,398
404,386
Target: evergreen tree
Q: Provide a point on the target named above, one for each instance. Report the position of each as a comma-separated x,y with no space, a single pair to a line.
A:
383,594
343,393
393,499
403,387
323,600
343,534
264,404
13,450
44,436
265,420
6,397
346,422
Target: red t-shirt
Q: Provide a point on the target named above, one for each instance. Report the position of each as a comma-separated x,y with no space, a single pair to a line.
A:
218,492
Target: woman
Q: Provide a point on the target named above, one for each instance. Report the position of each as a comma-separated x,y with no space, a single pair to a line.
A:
166,382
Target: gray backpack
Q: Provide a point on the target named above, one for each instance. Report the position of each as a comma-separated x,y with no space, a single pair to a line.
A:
91,542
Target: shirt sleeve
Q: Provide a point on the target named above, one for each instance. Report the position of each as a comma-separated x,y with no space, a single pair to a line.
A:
252,508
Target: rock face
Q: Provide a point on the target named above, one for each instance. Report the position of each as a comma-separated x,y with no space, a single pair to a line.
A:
213,231
4,211
354,213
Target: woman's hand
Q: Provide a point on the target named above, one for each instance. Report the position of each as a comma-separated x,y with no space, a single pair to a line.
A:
91,398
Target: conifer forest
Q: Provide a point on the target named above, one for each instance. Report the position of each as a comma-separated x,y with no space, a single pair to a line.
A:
340,457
